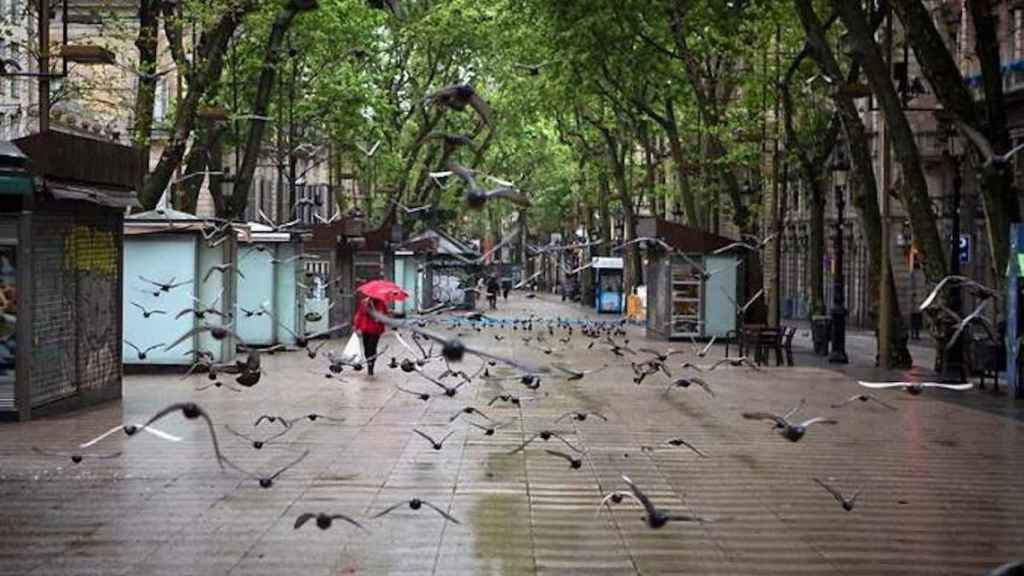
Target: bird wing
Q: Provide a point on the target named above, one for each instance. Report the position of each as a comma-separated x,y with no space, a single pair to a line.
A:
522,446
390,509
819,420
938,288
766,416
978,139
349,520
133,346
644,500
567,443
161,434
559,454
795,409
883,385
441,512
407,391
303,518
101,436
835,493
153,347
184,337
682,442
964,386
425,436
511,194
289,465
703,384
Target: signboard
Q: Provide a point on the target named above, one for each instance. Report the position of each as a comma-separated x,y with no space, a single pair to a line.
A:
965,248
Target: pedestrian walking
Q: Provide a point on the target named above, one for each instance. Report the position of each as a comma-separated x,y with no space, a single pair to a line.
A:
492,291
369,329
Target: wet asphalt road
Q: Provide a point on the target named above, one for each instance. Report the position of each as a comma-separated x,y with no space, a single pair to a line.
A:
941,477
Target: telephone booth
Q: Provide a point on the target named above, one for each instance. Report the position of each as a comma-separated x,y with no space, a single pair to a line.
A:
608,285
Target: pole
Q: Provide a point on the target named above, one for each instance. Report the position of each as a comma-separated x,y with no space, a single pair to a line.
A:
292,160
838,355
885,304
44,65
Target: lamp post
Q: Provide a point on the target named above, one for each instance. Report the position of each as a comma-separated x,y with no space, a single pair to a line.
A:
952,358
840,167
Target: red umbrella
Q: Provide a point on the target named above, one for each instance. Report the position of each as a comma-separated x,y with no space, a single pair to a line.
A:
383,290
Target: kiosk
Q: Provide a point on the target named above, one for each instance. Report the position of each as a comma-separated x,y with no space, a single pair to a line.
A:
608,285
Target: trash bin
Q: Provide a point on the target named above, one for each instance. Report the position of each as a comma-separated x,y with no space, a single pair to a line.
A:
821,331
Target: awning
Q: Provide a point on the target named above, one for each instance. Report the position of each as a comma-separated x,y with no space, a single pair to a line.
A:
111,197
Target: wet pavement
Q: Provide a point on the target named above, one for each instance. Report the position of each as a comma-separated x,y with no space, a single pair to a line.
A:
940,476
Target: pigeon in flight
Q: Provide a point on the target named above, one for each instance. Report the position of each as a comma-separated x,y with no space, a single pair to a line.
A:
574,463
546,435
755,247
222,268
75,457
469,410
268,481
142,354
458,97
415,504
980,290
686,382
581,416
191,411
676,443
864,398
476,197
435,444
257,443
792,431
146,313
165,286
846,503
217,331
656,518
324,521
915,388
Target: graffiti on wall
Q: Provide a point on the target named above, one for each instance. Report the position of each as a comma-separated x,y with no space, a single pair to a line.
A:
92,256
87,249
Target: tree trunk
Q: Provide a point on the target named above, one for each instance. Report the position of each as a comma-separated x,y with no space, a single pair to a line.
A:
940,69
864,186
211,48
261,104
914,191
145,90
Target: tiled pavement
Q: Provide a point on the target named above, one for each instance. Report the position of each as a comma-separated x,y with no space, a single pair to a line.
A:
942,479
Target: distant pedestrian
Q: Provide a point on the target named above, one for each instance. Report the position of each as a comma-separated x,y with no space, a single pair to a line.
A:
369,329
506,286
492,291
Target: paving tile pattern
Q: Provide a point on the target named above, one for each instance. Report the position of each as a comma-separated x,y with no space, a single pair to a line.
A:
939,476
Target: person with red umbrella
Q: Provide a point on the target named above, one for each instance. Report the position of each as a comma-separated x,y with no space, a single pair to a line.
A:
375,294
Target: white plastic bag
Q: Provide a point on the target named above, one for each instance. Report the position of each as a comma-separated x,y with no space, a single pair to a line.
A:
353,352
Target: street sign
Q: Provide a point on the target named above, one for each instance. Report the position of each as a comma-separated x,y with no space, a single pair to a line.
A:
965,248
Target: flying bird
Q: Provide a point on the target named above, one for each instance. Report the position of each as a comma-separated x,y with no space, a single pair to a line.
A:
416,504
846,503
458,97
165,286
146,313
792,431
656,518
469,410
268,481
435,444
217,331
324,521
581,416
676,443
257,443
737,362
646,241
75,457
980,290
864,398
574,463
915,388
476,197
191,411
755,247
546,435
991,160
222,268
686,382
143,353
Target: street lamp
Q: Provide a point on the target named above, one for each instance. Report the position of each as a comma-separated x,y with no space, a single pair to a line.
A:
952,359
840,168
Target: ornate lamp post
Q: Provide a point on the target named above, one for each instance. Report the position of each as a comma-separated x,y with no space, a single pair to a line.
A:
952,361
840,167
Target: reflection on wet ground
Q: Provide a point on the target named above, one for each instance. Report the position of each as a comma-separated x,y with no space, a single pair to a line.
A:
938,477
